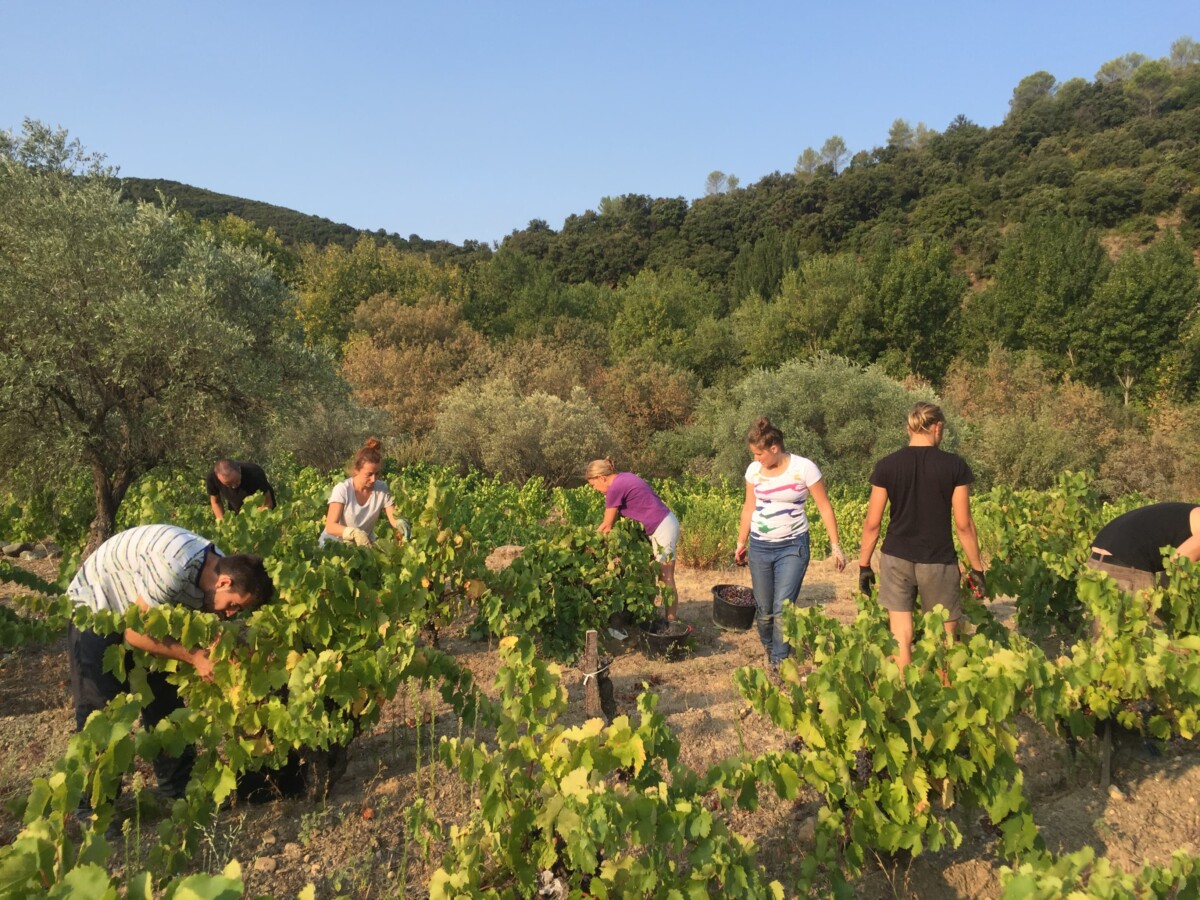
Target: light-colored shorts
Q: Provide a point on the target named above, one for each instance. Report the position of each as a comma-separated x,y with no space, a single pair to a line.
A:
665,538
1128,579
901,581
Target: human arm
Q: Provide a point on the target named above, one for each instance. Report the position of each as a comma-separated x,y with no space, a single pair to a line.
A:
871,525
1191,547
213,485
739,555
964,525
347,533
268,498
610,519
399,523
333,519
169,648
820,496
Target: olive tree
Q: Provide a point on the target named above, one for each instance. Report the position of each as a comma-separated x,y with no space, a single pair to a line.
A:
131,338
492,426
841,415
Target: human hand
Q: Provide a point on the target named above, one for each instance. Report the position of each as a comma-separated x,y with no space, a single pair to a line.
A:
978,584
740,555
403,531
866,579
839,558
356,536
203,665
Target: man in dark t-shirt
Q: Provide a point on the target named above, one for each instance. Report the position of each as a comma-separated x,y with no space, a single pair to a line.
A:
1129,548
230,482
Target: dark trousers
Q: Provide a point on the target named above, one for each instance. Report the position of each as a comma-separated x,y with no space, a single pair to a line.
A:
92,687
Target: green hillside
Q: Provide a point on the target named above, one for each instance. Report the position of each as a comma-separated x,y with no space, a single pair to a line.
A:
293,228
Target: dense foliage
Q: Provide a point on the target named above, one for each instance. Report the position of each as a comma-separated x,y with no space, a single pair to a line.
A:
1038,275
609,809
130,339
1045,261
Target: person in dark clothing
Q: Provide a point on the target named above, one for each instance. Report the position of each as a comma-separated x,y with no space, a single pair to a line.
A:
1130,547
927,489
230,482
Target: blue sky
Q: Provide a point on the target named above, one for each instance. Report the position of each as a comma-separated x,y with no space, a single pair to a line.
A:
464,120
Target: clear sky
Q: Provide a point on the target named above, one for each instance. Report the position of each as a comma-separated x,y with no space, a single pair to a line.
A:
457,120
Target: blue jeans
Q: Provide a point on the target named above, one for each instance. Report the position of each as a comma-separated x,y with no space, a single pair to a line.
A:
776,571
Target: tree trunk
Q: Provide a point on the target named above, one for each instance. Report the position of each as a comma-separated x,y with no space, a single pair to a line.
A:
110,491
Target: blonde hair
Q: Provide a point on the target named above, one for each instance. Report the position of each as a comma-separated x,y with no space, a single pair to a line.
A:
923,416
370,452
599,468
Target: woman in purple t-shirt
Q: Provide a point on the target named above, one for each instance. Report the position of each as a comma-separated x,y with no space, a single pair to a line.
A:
627,495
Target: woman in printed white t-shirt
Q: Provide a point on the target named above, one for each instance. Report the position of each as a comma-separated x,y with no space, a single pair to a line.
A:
355,504
773,536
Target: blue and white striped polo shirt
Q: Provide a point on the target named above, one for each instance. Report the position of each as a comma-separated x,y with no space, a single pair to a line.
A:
159,563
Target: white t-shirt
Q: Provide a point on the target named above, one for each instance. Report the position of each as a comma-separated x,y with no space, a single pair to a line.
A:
779,499
159,563
362,515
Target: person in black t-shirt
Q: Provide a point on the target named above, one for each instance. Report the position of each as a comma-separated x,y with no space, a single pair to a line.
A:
927,489
1129,548
230,482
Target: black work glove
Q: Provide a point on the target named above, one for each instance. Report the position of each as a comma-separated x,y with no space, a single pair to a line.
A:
978,584
866,579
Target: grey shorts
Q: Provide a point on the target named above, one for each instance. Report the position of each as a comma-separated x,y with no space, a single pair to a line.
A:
901,581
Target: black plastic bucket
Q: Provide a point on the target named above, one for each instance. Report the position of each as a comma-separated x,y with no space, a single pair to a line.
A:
666,640
732,615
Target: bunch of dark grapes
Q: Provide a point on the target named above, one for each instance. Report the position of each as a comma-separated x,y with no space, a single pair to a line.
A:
863,766
797,746
735,595
1143,708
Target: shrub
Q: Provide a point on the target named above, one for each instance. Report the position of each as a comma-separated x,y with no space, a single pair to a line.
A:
491,426
841,415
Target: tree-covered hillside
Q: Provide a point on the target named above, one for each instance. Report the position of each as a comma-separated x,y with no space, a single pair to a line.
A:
292,227
1038,276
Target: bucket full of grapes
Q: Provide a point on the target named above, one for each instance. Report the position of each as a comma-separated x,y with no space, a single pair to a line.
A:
733,606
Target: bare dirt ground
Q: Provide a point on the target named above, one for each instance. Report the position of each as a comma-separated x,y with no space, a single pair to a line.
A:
352,844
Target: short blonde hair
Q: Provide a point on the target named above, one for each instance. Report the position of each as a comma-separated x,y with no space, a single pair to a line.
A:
923,416
599,468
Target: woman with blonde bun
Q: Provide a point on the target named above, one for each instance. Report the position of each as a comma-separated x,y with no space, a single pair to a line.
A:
356,503
627,495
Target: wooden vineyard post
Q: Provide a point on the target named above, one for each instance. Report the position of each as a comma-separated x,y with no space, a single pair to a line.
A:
1106,757
591,684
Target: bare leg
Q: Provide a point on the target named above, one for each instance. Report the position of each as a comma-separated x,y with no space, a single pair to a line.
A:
669,594
901,625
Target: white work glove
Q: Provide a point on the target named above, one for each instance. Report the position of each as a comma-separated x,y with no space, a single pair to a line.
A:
839,558
357,536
